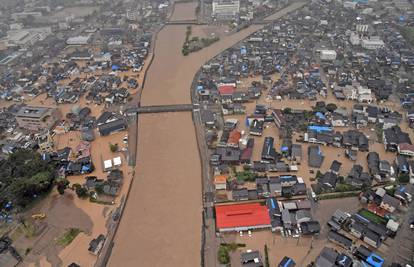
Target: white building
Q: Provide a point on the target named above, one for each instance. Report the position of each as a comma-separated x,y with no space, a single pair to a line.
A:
354,39
372,44
27,37
362,28
226,9
364,95
78,40
328,55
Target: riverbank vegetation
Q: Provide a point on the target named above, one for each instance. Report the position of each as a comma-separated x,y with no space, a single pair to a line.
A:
194,44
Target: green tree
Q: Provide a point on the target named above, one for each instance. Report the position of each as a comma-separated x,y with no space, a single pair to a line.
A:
331,107
223,255
287,111
404,178
62,184
113,147
81,192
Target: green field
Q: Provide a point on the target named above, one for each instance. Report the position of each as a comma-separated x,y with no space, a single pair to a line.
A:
372,217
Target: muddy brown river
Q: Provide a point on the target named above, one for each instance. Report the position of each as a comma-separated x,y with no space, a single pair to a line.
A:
161,225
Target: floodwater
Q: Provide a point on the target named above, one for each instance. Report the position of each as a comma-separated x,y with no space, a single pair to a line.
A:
184,11
302,250
170,75
161,225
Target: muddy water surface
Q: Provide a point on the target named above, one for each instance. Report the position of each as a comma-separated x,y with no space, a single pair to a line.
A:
161,225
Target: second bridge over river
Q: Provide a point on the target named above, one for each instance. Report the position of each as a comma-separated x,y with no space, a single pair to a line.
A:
166,108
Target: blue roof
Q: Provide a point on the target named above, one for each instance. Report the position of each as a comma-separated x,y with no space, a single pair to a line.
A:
243,50
272,202
285,148
320,115
115,67
319,129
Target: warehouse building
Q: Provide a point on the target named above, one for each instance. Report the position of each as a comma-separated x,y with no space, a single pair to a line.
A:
242,217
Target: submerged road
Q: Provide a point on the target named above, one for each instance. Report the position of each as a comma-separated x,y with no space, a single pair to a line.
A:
162,220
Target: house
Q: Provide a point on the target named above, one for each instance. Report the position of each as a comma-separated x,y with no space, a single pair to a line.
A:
234,138
357,177
411,164
286,219
339,121
327,258
315,157
268,151
373,163
256,127
115,177
251,259
340,216
303,216
207,117
275,187
96,244
296,152
278,117
246,154
229,155
371,238
394,136
389,203
406,149
335,167
226,90
402,194
220,182
110,122
240,194
340,239
401,164
328,181
310,227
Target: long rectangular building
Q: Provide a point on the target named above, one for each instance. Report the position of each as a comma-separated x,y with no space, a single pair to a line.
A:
242,217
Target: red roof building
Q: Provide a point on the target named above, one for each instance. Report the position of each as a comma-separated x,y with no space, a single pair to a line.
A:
242,217
226,90
406,149
234,138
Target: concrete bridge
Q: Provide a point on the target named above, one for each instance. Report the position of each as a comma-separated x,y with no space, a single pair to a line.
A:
184,22
167,108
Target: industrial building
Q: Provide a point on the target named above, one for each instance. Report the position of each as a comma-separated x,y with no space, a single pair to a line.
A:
242,217
225,9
